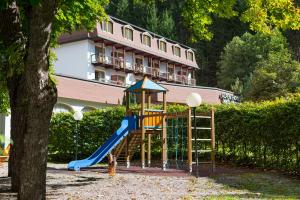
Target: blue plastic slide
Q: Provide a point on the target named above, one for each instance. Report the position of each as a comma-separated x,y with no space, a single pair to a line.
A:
127,124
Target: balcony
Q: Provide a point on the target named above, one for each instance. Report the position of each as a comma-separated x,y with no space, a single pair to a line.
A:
109,61
120,83
137,68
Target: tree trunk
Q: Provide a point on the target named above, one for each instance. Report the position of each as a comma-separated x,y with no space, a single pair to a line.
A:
32,97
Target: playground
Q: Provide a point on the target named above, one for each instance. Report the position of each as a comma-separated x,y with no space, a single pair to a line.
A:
182,138
186,168
228,182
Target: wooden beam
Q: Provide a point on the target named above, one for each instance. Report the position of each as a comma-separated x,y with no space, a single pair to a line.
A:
213,139
127,102
164,134
189,140
143,130
149,135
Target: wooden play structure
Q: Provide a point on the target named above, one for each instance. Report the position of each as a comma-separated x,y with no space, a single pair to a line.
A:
184,139
5,155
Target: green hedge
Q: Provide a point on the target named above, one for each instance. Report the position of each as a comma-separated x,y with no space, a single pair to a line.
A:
93,130
265,134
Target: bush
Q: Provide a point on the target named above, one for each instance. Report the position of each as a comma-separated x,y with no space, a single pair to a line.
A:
93,130
265,134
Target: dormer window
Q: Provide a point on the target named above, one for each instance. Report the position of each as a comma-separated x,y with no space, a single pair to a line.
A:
176,50
190,55
146,39
128,32
107,26
162,45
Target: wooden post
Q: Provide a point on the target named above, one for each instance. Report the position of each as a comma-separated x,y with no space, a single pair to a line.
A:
127,145
189,140
127,103
164,134
127,152
143,130
149,135
212,136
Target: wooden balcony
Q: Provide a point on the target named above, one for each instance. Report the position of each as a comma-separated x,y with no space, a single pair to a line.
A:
119,64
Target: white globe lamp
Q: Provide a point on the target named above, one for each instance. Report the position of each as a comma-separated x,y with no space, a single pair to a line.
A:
193,100
78,115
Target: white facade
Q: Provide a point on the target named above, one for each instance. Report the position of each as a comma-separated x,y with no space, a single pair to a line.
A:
76,59
73,59
5,128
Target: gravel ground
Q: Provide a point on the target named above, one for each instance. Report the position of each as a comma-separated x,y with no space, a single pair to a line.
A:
96,184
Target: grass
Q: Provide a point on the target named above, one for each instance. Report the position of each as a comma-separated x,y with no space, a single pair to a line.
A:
258,185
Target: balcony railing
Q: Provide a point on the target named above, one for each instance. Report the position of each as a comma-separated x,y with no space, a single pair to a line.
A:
103,80
178,78
163,75
118,63
148,70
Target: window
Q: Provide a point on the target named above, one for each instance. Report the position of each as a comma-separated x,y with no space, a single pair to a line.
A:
128,33
162,46
100,53
100,75
176,51
117,79
107,26
146,39
190,55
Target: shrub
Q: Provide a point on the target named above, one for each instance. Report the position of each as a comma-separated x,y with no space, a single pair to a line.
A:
93,130
265,134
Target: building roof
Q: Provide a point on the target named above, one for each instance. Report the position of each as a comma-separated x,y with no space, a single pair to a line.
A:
136,45
147,85
151,33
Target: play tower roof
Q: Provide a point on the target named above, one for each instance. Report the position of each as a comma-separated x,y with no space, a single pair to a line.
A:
146,85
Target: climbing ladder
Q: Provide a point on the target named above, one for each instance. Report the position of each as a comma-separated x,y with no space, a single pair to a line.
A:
126,149
197,141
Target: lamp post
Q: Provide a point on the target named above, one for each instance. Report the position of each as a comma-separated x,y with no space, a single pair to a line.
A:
77,116
194,100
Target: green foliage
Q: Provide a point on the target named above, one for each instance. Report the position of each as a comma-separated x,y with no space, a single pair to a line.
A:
198,16
264,134
276,76
76,15
93,130
267,57
264,16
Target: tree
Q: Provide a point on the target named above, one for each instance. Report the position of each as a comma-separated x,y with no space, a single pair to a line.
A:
242,54
276,76
251,62
27,30
261,15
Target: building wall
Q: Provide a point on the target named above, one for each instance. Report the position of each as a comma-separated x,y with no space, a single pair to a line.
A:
5,128
73,59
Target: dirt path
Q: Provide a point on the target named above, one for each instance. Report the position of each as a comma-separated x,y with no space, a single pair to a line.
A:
152,184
